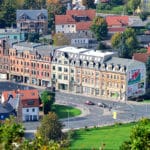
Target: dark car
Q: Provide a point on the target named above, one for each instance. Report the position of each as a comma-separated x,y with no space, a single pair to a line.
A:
89,103
102,105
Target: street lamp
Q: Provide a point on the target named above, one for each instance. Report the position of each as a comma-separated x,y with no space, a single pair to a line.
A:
68,118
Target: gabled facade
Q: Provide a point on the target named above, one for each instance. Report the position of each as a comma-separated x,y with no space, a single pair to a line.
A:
29,103
32,20
117,23
74,20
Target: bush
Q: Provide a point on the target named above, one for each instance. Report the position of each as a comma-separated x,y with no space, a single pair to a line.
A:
144,121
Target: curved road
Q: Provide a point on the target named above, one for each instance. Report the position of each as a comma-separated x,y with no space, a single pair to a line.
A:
92,115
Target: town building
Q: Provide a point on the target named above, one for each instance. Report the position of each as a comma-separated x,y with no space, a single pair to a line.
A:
74,20
76,70
95,73
117,23
25,102
32,21
143,57
12,34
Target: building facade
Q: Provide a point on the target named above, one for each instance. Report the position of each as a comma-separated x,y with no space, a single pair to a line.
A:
25,100
32,21
12,34
77,70
74,20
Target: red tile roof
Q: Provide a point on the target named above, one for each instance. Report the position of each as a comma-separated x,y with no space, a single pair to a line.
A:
89,12
69,18
141,56
26,96
117,29
83,25
64,19
148,50
117,20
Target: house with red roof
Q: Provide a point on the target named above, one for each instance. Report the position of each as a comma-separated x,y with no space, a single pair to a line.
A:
143,57
25,102
117,23
74,21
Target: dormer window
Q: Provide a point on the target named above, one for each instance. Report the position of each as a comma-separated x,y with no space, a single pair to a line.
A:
103,66
85,63
24,17
41,17
109,67
116,68
91,65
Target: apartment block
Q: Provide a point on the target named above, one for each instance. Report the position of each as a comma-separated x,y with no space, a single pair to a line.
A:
76,70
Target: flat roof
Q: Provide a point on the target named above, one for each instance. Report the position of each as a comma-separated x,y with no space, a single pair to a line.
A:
98,53
71,49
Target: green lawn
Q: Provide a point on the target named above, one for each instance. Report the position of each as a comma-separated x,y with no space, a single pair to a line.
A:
111,136
114,10
66,111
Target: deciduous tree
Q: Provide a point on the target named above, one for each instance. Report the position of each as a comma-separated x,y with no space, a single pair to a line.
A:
139,139
48,98
99,28
126,43
50,128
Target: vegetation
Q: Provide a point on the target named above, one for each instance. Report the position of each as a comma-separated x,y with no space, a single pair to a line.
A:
139,137
50,128
104,136
10,132
48,98
99,28
60,39
88,3
63,111
126,43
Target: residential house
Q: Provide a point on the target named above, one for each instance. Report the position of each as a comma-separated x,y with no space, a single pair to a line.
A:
74,21
117,23
32,21
12,34
5,111
29,103
143,57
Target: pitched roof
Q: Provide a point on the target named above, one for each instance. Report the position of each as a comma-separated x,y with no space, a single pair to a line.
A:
32,14
117,20
64,19
24,94
69,18
141,56
83,25
89,12
117,29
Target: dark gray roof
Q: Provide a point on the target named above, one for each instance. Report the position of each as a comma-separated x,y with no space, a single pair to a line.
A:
32,14
122,61
6,108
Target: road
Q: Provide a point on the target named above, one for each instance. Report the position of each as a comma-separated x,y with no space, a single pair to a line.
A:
92,115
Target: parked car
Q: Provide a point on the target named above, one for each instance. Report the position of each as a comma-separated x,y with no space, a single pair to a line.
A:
102,105
89,103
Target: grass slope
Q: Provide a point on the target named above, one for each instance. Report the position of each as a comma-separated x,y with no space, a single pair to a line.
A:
111,136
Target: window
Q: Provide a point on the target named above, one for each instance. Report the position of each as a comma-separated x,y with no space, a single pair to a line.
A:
65,62
33,110
65,69
27,110
59,68
53,67
65,77
59,76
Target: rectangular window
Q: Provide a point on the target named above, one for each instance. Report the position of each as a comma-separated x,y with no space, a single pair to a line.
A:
65,69
59,68
59,76
65,77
